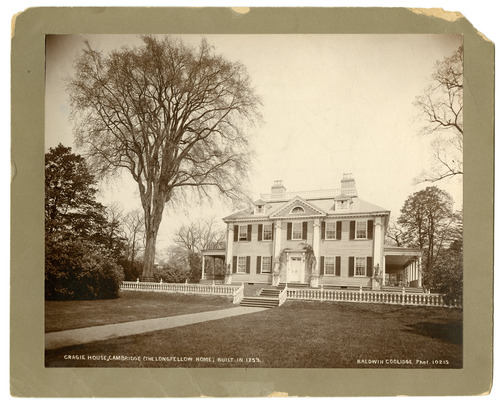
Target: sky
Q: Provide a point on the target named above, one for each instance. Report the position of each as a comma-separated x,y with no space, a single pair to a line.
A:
331,104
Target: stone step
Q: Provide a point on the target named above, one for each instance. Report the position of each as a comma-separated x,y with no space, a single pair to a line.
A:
269,293
259,302
293,285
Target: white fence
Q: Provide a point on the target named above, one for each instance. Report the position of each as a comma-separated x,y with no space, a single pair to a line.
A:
180,288
374,297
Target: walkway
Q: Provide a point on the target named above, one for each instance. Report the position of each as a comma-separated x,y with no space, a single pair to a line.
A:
56,340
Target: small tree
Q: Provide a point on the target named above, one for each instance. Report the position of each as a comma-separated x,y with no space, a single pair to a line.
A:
427,222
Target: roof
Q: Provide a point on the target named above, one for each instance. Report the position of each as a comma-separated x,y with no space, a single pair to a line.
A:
323,206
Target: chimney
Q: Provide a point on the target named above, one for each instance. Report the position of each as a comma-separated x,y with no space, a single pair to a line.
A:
348,183
278,187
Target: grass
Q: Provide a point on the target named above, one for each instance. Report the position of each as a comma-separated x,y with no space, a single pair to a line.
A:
298,334
130,306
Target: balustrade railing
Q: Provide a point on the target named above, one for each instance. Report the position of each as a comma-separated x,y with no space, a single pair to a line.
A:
238,294
375,297
182,288
283,296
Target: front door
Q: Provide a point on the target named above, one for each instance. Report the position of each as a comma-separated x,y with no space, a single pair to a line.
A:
295,275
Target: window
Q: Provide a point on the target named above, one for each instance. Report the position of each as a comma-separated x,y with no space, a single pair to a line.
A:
296,230
361,229
330,230
265,264
342,204
242,264
243,232
259,209
329,265
267,232
360,267
298,210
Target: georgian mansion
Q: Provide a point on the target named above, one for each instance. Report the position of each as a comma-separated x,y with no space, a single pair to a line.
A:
325,238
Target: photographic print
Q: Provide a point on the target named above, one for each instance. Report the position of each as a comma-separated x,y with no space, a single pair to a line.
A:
230,200
251,202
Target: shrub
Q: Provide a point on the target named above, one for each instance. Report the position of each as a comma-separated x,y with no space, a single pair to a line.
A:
79,269
171,274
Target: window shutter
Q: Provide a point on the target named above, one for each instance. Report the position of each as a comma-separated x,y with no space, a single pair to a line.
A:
337,266
248,265
322,266
323,226
272,231
258,264
249,233
339,230
289,231
351,266
370,229
235,233
235,264
304,230
369,266
259,232
352,230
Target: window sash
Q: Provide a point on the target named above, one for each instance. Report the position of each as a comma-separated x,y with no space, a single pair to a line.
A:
361,229
329,265
267,230
296,230
265,264
330,230
360,266
242,264
243,232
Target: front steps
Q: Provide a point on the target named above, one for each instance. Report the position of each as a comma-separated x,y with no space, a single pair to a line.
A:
268,298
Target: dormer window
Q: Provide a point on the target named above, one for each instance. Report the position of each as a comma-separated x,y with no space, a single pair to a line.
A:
297,210
342,204
259,209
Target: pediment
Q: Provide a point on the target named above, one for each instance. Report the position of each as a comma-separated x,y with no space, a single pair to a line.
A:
296,208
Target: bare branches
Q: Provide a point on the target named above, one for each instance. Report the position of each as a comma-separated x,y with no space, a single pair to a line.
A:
171,115
441,108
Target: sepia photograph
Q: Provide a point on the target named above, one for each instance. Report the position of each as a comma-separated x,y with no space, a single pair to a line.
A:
254,201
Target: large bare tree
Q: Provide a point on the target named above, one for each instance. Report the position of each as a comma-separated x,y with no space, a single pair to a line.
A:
441,107
172,115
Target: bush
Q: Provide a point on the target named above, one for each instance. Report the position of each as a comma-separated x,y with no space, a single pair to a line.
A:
171,274
79,270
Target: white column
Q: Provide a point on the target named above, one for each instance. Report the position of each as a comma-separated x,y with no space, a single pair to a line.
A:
229,249
316,239
203,267
383,270
377,242
277,238
420,271
377,247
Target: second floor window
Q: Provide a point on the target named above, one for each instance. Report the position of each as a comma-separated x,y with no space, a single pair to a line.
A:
243,235
297,230
267,232
361,229
330,230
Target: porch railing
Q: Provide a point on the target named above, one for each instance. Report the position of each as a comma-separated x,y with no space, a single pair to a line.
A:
182,288
283,296
374,297
238,294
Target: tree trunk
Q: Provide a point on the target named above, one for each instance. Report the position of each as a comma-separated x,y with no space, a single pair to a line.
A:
149,256
152,224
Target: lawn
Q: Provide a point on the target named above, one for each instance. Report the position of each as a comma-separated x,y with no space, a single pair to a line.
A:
298,334
130,306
